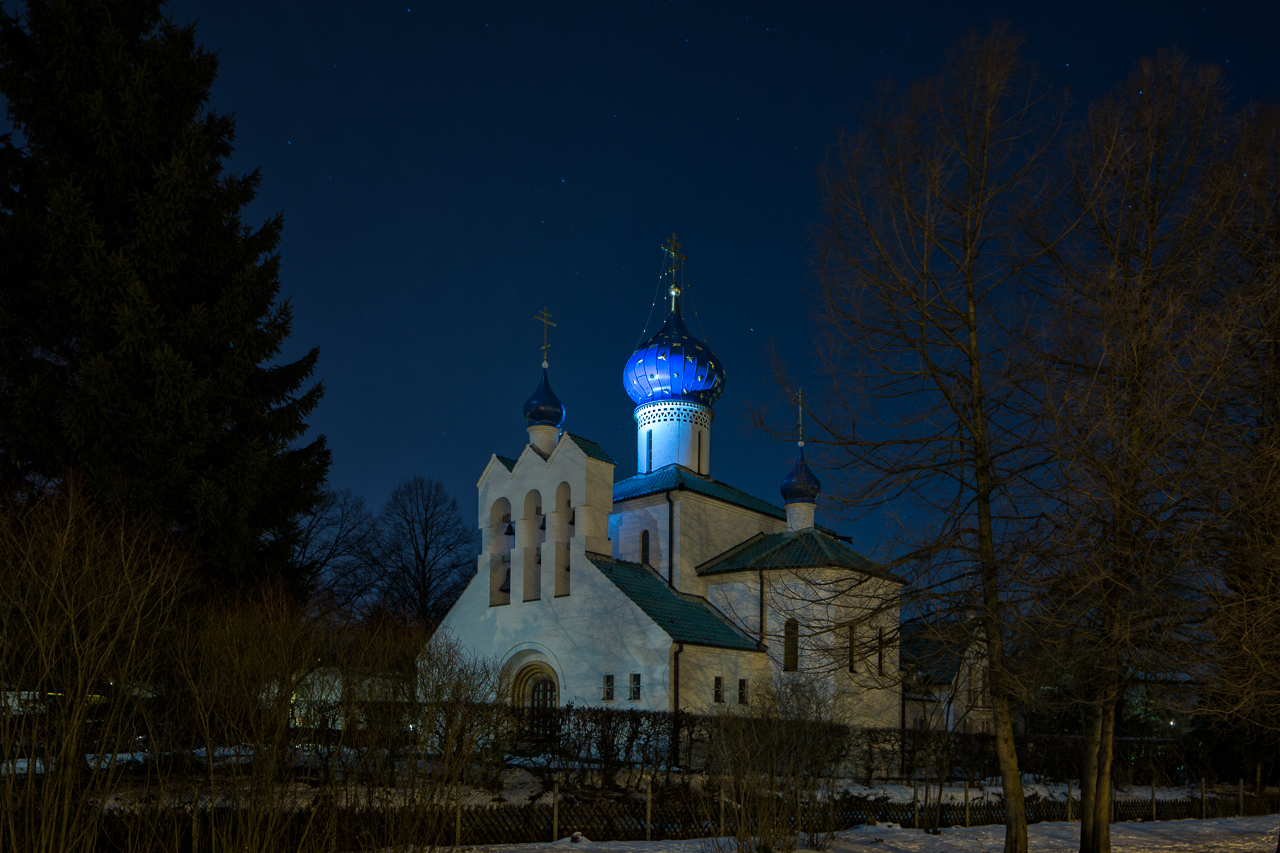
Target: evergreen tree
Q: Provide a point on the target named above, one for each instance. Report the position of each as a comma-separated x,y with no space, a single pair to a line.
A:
140,320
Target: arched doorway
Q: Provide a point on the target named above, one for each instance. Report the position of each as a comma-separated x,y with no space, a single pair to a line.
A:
537,692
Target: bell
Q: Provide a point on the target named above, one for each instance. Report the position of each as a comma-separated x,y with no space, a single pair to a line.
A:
511,530
543,526
573,517
506,582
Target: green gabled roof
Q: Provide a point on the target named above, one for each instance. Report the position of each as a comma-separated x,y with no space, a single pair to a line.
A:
510,464
676,476
686,618
590,448
804,549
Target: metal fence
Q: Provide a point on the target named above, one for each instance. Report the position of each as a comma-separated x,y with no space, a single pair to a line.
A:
677,814
696,817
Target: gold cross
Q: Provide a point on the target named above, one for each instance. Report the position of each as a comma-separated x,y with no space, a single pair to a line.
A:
800,414
545,319
672,248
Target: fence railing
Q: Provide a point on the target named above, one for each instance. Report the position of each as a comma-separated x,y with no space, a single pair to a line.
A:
681,817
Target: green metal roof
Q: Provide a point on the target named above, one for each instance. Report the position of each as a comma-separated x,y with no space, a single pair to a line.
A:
509,463
686,618
804,549
676,476
592,449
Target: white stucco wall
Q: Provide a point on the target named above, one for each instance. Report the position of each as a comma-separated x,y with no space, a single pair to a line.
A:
704,528
673,432
825,603
594,630
699,666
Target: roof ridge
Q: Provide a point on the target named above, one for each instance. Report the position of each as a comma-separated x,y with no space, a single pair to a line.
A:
716,611
735,549
593,449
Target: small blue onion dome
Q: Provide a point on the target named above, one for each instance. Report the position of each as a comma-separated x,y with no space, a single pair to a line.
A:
544,407
673,365
800,486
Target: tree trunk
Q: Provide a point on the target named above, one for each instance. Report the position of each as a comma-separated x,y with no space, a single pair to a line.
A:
1098,813
1015,805
1089,776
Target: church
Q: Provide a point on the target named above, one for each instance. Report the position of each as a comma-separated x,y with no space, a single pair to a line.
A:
669,589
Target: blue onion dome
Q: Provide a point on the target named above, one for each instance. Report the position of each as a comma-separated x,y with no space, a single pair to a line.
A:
800,486
544,407
673,365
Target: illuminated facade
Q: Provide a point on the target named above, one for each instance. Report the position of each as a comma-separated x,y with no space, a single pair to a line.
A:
668,589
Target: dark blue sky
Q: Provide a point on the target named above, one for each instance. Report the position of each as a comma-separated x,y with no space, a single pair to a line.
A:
446,170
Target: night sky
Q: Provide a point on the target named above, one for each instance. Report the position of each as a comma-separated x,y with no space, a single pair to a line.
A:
446,170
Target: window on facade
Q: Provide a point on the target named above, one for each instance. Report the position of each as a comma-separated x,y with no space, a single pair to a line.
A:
742,692
719,693
790,646
606,692
699,468
644,547
633,693
880,650
648,464
853,649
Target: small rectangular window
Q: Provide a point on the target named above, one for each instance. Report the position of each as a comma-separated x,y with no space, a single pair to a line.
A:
742,692
853,649
633,693
648,465
880,650
790,646
719,694
606,692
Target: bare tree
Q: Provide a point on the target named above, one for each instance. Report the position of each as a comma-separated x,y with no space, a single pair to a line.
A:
1134,382
919,313
333,550
421,553
1243,672
88,600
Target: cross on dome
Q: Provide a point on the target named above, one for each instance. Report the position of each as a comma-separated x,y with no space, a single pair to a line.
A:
544,407
672,248
544,317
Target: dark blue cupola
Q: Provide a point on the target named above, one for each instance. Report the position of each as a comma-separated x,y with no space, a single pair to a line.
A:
801,488
800,485
544,407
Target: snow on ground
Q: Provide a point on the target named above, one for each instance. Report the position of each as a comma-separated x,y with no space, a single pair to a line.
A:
1227,835
992,790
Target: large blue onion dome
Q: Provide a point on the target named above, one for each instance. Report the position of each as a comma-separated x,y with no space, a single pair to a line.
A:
800,486
673,365
544,407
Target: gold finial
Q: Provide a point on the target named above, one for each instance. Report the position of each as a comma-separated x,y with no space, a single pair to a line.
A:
672,248
544,318
800,414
